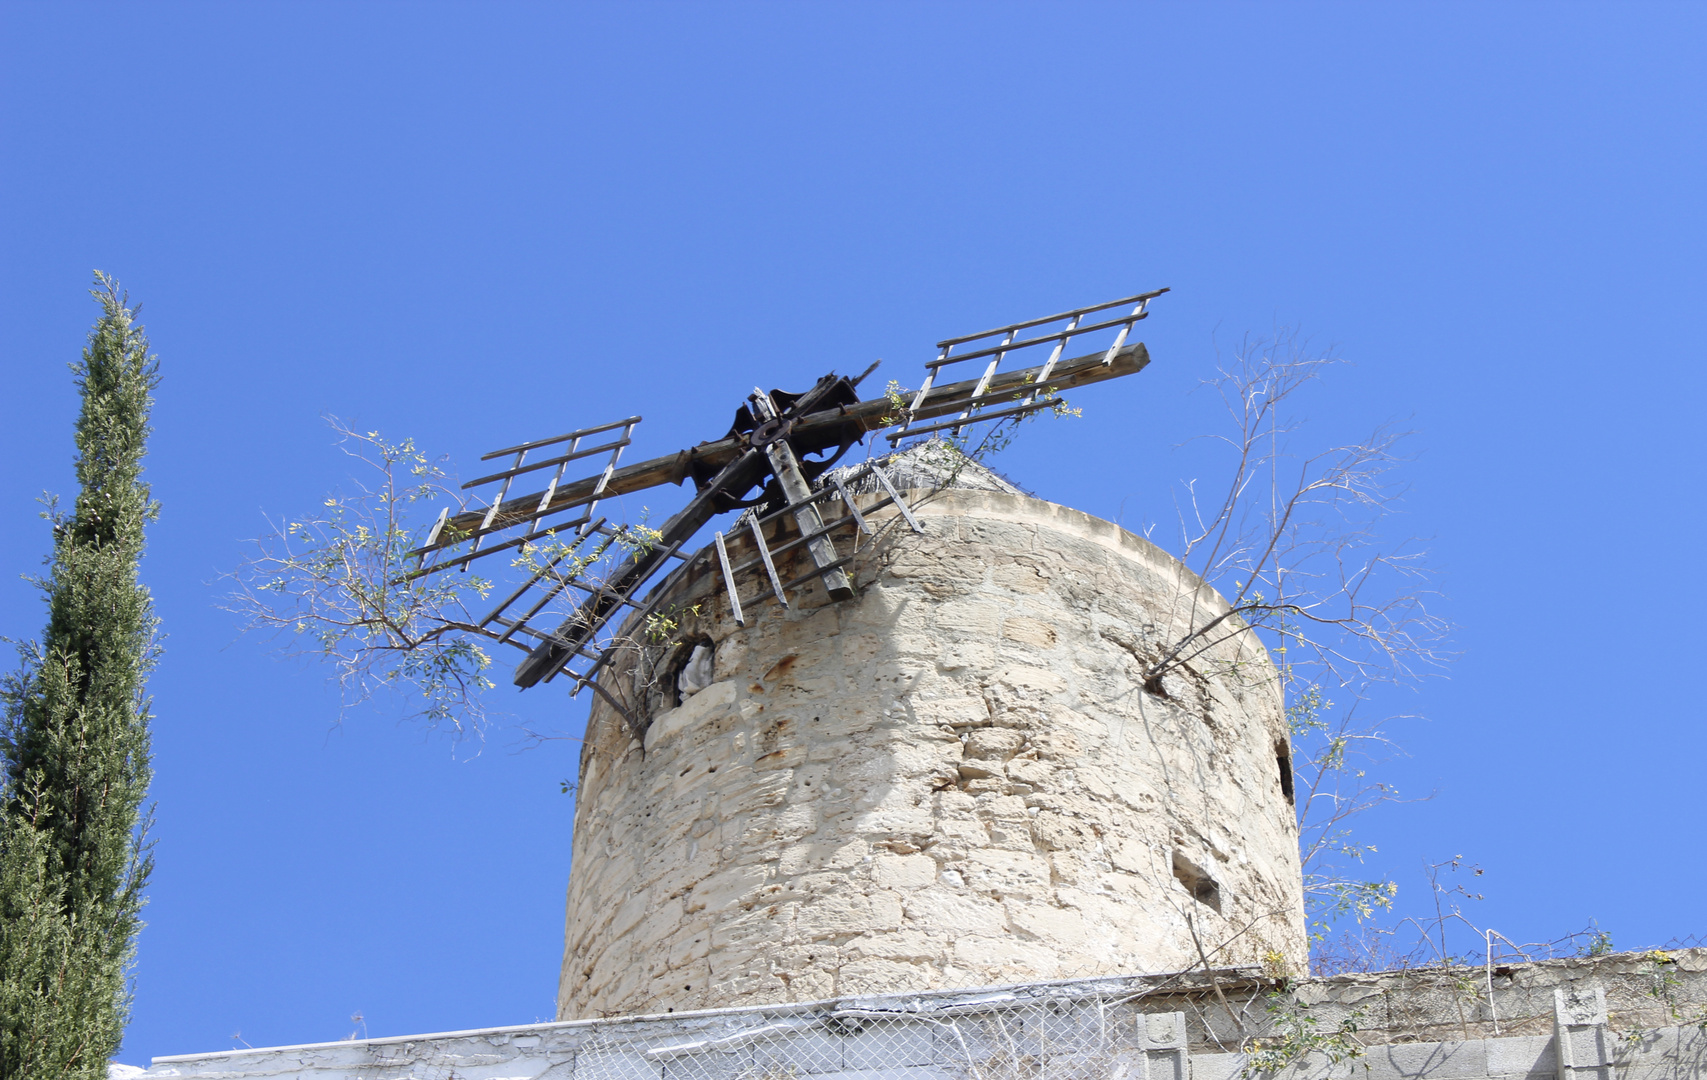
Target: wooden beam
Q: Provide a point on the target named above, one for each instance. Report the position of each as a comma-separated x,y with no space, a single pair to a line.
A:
826,428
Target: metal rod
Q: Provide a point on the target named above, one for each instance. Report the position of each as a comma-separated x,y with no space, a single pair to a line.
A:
729,581
561,438
1052,318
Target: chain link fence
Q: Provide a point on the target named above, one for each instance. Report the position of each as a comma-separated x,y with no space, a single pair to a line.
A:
1037,1032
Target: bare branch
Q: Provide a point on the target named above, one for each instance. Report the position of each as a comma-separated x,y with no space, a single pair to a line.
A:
338,586
1294,542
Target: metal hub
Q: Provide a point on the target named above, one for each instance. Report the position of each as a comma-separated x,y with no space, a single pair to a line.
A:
769,431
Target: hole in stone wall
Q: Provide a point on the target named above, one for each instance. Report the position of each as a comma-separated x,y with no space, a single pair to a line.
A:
1283,759
690,670
1203,888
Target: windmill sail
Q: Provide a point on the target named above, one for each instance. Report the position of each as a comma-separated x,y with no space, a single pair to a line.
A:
570,556
1036,393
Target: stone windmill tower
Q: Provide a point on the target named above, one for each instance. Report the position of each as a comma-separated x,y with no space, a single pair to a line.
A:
890,732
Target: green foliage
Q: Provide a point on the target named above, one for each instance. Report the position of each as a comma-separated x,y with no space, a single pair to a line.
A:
346,585
337,585
1664,986
1599,942
662,625
1294,1033
993,438
899,402
73,851
1332,789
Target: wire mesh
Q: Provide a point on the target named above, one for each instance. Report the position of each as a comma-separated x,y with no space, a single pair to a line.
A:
999,1036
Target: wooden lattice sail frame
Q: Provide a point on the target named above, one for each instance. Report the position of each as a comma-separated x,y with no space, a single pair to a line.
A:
764,463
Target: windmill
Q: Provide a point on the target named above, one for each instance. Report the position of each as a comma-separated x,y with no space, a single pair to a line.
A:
774,462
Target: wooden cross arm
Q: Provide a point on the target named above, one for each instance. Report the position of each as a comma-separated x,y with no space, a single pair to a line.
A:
815,431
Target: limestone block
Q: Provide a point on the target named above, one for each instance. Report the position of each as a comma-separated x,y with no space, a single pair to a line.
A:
1029,770
905,821
821,855
628,916
1029,631
713,700
726,888
749,791
1006,956
1007,874
880,976
961,656
955,913
903,871
739,935
1051,925
1020,574
970,618
845,914
685,948
994,743
912,946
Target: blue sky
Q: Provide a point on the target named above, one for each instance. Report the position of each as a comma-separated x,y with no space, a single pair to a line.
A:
476,224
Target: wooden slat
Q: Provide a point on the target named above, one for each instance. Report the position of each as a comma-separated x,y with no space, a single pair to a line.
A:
900,503
535,466
824,530
1151,295
729,581
962,421
863,417
770,567
804,578
517,595
859,519
1016,346
612,426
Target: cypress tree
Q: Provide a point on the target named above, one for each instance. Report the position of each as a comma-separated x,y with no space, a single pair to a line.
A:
73,851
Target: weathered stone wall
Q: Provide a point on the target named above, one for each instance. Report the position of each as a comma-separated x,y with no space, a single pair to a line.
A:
1629,1016
954,779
